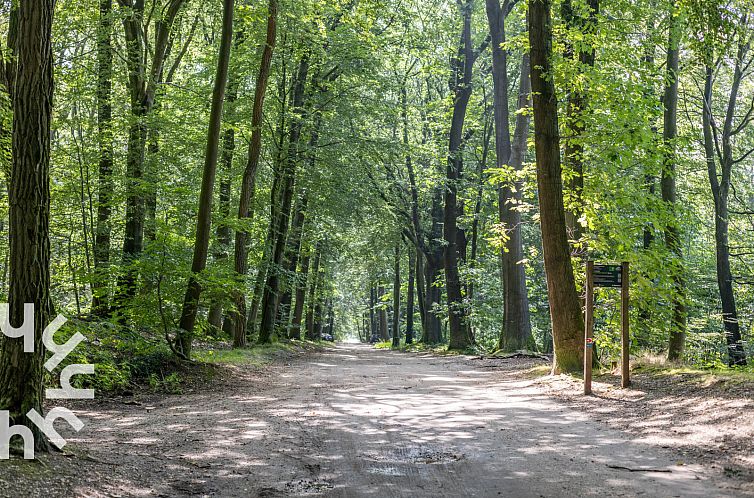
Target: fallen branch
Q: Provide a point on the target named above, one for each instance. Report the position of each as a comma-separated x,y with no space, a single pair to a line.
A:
629,469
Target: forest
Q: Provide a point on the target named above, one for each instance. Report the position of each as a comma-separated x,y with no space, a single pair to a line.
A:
184,179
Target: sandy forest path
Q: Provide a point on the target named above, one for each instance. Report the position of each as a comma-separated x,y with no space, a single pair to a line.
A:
353,421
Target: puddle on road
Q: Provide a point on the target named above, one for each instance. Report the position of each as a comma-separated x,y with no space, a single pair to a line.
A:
308,486
386,471
426,455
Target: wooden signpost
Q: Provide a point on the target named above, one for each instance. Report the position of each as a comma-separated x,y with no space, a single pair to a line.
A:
616,276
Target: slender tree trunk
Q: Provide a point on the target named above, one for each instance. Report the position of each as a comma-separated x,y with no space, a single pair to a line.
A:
313,289
318,316
292,252
382,314
565,309
223,232
8,79
462,67
249,176
677,340
573,157
516,319
21,373
397,298
516,333
720,183
142,85
433,297
300,285
372,314
100,299
204,217
263,268
288,176
421,290
410,296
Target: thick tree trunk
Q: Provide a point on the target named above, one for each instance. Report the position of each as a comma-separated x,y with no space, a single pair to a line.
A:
565,309
100,301
204,216
241,262
21,374
288,175
677,339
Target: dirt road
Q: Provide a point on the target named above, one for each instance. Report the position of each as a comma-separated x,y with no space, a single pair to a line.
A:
353,422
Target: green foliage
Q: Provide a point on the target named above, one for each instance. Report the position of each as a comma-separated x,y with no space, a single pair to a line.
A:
357,178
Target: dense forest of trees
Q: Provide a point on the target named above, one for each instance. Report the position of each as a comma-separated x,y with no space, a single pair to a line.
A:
421,171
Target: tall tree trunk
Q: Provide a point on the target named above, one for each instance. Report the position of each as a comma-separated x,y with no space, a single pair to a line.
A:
462,67
644,312
8,79
21,374
382,313
204,217
100,286
143,82
720,184
263,267
300,286
372,314
313,289
432,273
397,297
287,176
565,309
292,253
677,339
223,232
516,319
573,157
421,290
516,333
410,296
249,176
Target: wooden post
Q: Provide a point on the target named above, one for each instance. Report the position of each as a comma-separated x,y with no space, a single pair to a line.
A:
625,381
589,327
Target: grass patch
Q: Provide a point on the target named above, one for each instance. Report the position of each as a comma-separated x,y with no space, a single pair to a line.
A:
257,355
421,347
537,372
704,377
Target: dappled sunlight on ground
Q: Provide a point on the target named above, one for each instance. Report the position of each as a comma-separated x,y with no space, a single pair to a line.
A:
364,422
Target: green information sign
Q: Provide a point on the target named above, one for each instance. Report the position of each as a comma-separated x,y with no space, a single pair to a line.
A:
608,276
